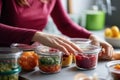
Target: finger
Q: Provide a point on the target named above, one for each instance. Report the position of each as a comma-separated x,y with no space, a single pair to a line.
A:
109,52
71,44
61,47
67,46
112,51
55,44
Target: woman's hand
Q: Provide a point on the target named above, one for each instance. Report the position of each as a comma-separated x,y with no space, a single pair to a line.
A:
106,51
56,42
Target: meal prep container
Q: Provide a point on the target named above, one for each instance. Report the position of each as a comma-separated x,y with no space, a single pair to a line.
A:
10,75
82,42
67,60
114,69
9,58
88,58
28,59
49,59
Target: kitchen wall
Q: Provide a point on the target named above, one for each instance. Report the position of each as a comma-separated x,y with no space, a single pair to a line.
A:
114,19
79,7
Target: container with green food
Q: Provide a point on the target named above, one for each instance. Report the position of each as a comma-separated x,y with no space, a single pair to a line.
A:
10,75
49,59
9,58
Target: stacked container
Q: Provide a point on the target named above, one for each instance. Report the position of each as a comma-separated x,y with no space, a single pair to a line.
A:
9,67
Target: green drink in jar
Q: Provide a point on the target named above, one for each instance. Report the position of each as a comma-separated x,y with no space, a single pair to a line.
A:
95,20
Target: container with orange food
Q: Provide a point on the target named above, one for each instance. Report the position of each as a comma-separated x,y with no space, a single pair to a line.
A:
49,59
114,69
67,60
28,59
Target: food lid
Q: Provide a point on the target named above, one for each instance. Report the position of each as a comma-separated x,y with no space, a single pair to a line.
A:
44,50
80,40
17,70
9,51
24,47
91,49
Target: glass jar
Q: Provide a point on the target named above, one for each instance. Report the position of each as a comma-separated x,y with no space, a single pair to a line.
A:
81,42
28,59
67,60
88,58
49,59
114,69
10,75
9,58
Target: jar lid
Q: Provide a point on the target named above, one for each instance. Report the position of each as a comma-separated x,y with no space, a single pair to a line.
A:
16,70
9,51
80,40
24,47
91,49
44,50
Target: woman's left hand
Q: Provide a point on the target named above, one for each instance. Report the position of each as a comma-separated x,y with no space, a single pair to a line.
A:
106,49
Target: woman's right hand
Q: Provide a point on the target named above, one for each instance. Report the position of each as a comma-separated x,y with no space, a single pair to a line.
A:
56,42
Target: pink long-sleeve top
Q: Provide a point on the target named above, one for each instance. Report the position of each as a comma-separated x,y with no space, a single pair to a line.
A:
18,24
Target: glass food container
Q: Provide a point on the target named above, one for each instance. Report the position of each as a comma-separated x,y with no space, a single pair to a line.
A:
67,60
88,58
82,42
9,58
28,59
10,75
49,59
114,69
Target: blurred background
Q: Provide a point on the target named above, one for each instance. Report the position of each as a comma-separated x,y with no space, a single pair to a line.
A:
77,10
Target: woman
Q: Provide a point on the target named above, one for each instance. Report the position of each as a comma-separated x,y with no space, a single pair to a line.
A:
23,20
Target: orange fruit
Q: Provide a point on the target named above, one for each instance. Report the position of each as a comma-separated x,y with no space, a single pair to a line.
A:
108,32
118,36
28,60
115,31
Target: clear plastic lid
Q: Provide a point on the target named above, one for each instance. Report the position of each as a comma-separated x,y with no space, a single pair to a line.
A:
44,50
24,47
9,51
17,70
91,49
80,40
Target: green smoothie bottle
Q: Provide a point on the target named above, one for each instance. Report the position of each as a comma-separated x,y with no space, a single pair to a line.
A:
95,19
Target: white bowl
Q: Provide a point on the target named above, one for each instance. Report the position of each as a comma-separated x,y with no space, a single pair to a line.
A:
115,42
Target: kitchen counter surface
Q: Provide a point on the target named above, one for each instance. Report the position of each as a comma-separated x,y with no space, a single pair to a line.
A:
68,73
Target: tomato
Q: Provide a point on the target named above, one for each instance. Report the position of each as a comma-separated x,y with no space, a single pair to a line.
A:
28,60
